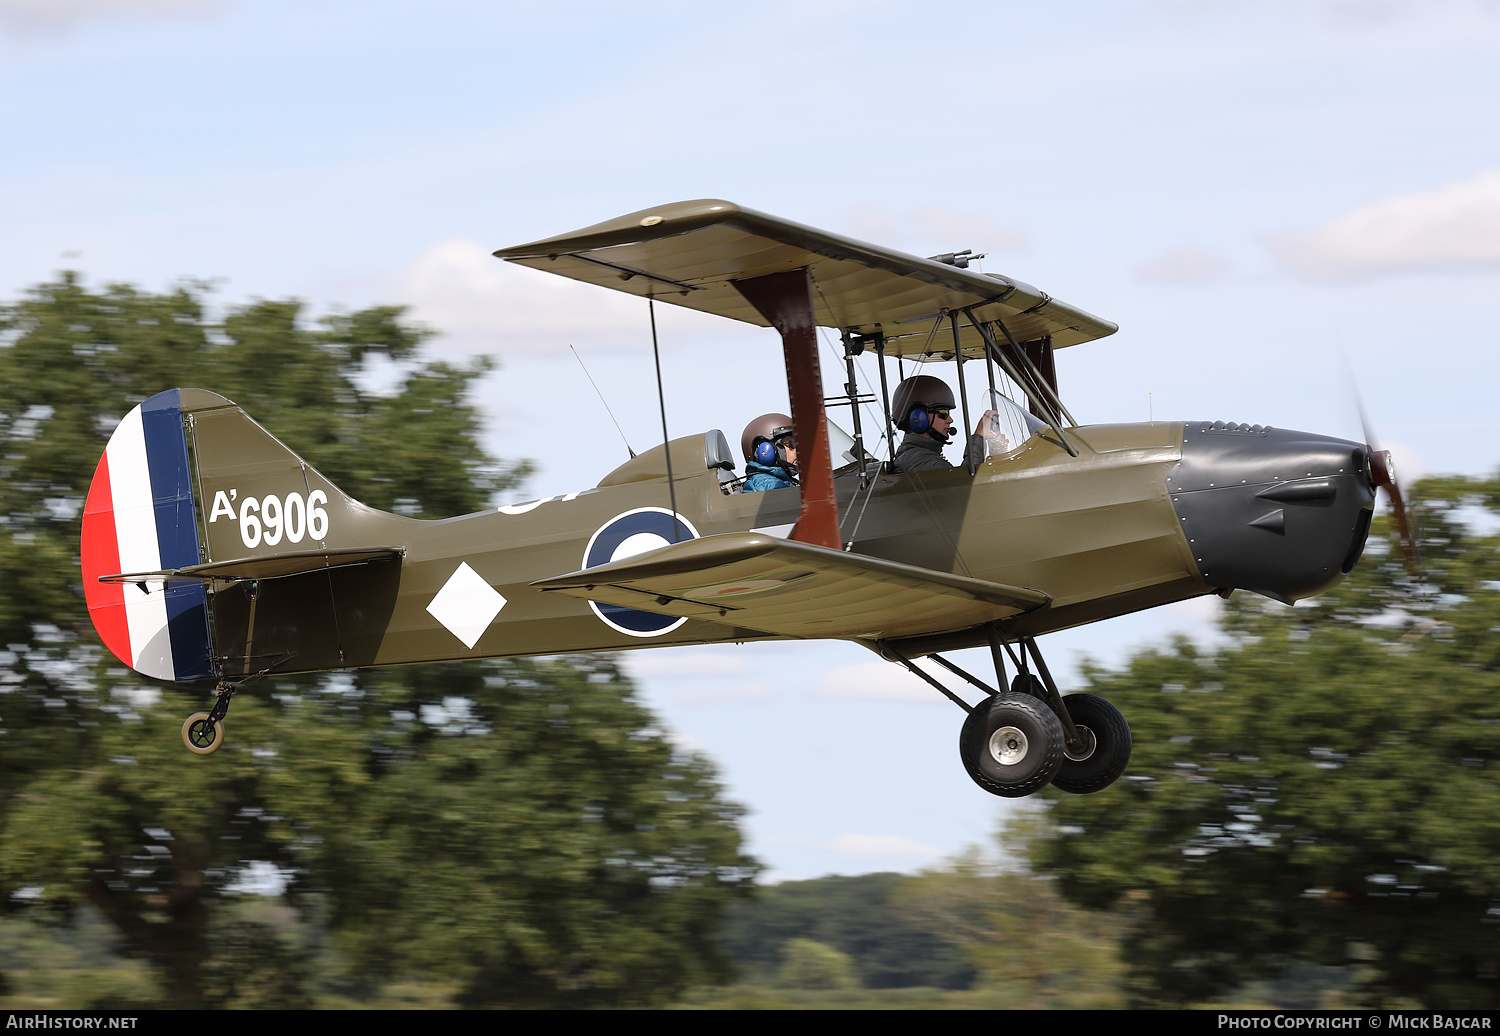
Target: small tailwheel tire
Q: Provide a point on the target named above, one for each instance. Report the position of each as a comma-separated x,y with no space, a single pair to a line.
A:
1012,745
1103,751
201,736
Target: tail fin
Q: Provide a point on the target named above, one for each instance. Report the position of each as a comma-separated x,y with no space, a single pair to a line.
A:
191,490
140,517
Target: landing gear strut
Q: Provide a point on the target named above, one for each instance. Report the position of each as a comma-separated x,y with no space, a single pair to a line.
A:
203,732
1020,739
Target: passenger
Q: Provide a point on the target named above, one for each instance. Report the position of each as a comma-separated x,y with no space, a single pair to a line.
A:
923,406
770,453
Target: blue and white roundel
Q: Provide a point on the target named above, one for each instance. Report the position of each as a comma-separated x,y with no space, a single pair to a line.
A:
624,536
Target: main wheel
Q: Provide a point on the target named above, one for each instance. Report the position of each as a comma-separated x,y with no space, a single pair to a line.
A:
1104,753
1011,745
201,736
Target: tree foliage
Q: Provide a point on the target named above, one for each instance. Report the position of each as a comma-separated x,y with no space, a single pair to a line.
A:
1024,939
856,915
1323,788
807,964
558,853
524,828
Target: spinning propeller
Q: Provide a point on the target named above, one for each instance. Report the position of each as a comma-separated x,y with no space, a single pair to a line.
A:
1383,474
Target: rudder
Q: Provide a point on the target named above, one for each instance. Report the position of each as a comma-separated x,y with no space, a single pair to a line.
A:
197,513
140,516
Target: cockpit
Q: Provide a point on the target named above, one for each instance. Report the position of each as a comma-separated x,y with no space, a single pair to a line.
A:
1007,427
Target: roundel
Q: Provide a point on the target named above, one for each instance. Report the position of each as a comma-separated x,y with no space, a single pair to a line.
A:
624,536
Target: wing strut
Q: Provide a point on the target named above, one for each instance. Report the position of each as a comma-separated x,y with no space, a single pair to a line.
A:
786,300
1025,374
892,653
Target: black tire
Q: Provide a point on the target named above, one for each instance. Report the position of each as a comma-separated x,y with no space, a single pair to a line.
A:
1029,683
1012,745
200,736
1106,751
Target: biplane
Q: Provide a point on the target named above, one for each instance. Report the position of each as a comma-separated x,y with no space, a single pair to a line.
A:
212,552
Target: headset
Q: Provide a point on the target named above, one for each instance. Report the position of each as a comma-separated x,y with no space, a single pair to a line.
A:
919,417
767,451
918,401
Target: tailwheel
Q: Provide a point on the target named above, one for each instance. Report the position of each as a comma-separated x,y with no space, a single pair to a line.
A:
1102,751
202,734
1012,745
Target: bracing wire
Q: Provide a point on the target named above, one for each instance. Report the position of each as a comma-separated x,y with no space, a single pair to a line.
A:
858,374
607,410
661,398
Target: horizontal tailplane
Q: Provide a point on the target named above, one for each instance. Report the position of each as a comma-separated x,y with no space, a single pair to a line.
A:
193,497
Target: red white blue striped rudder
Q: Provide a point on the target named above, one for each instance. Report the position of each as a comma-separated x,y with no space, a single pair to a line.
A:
141,516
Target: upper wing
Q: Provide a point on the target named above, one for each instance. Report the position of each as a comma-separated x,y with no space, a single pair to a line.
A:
795,589
688,252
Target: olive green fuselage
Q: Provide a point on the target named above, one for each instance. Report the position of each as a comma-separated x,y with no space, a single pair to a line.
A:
1097,532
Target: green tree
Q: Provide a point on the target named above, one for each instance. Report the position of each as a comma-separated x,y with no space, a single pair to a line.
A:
1023,938
99,804
1322,789
549,848
856,915
806,964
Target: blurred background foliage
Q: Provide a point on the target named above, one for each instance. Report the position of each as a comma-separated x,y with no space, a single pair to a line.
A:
521,831
1309,818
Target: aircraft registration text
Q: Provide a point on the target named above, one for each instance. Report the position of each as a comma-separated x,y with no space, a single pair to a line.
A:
270,519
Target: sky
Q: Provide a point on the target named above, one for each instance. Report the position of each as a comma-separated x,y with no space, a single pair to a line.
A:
1268,196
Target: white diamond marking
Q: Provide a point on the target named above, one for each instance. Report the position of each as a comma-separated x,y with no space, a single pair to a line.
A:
466,605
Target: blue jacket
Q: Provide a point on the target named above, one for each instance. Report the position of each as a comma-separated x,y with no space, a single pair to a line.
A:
763,478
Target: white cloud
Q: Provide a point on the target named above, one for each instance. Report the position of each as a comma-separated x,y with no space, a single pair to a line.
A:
1183,265
481,304
701,677
1451,228
874,681
56,17
892,850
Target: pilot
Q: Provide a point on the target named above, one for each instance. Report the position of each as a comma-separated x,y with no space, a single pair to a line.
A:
770,453
923,406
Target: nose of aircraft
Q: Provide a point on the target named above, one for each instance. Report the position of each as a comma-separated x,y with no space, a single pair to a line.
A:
1273,511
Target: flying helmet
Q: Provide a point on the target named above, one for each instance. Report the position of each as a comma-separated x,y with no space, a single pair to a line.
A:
916,398
760,439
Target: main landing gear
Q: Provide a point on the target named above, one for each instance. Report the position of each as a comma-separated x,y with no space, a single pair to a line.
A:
203,732
1019,740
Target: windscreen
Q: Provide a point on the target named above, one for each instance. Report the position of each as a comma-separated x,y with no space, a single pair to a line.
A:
1010,427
